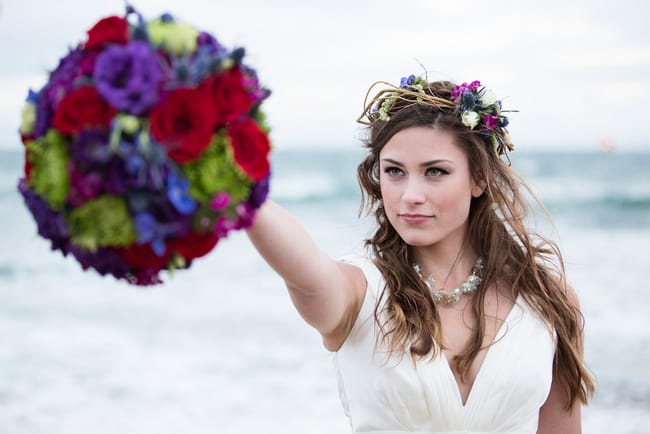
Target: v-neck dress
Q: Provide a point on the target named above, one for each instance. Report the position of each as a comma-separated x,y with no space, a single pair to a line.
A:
382,395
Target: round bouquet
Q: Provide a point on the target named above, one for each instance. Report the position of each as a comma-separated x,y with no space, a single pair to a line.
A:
145,147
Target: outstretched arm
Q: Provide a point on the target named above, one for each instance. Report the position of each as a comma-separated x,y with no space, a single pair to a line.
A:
327,293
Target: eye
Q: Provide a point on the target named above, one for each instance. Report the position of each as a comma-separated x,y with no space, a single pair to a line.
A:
393,171
436,171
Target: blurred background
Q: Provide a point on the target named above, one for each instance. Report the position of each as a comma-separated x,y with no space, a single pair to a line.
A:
219,348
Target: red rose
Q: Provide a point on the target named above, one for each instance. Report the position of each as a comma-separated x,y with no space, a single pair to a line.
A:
143,256
110,29
194,245
81,108
27,167
229,96
251,148
183,123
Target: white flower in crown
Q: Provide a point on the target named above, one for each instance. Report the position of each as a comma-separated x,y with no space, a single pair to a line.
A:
487,97
470,119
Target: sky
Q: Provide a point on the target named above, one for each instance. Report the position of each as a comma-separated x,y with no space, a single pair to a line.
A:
578,72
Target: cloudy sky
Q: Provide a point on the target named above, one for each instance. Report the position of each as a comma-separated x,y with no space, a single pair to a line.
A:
578,71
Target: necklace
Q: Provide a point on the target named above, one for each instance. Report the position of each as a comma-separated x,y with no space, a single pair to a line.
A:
452,297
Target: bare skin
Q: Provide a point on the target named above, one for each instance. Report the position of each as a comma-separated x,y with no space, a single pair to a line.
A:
426,191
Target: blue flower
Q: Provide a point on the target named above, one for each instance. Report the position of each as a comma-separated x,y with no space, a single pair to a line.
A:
468,101
149,231
407,81
33,96
178,195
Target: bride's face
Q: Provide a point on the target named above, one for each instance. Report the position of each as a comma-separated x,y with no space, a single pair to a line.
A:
426,186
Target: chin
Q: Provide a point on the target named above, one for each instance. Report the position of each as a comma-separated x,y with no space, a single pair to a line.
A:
418,241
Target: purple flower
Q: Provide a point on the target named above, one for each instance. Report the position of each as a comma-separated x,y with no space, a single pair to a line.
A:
49,223
259,193
90,149
104,260
128,76
178,195
210,44
62,78
60,83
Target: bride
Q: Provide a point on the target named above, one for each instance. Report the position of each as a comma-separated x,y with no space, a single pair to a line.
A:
459,319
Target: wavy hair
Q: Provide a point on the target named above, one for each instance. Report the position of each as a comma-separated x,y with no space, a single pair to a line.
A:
528,263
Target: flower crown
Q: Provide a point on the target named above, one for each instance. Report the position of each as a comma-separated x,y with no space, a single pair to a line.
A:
478,107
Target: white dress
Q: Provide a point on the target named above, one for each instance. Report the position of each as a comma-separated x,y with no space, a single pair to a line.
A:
391,396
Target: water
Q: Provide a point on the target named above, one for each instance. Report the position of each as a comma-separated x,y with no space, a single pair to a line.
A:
219,347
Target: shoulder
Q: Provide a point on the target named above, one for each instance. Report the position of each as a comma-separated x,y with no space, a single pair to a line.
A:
355,271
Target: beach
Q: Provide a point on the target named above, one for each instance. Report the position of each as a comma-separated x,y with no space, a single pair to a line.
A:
219,347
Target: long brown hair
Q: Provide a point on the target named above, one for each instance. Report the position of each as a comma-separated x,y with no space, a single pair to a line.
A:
528,263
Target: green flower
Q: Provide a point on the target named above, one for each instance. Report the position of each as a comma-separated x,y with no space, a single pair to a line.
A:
102,222
28,119
214,171
128,123
177,38
49,178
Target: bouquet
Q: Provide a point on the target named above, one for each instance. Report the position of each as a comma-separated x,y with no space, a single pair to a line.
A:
145,147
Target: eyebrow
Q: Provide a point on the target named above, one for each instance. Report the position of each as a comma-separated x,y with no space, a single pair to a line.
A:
426,163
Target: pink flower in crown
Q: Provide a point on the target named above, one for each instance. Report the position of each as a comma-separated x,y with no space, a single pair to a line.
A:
491,121
464,88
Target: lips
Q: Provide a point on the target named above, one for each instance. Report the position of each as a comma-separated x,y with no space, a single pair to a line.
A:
415,218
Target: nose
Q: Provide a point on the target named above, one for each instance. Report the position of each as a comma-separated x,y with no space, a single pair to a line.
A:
414,192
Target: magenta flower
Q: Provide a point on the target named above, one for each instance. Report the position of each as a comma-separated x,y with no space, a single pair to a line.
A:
220,201
84,187
464,88
491,121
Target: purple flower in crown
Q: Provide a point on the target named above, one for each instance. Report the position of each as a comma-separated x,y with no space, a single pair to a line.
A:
128,76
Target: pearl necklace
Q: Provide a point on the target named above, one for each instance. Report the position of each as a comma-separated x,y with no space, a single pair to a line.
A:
452,297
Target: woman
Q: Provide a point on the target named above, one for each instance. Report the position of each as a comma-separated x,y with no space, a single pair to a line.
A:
461,319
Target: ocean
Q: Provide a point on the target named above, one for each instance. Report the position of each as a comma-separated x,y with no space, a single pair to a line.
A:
219,348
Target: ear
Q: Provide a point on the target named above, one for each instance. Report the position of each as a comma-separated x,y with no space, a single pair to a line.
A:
478,188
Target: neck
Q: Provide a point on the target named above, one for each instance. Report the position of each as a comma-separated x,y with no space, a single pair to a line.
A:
450,263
